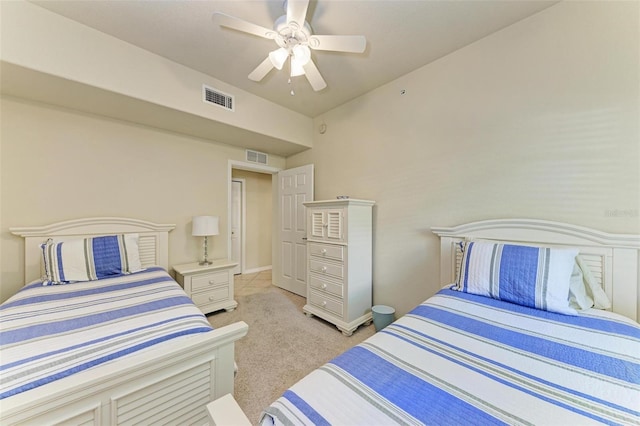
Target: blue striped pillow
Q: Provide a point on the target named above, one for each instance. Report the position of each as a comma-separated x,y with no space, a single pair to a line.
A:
537,277
90,259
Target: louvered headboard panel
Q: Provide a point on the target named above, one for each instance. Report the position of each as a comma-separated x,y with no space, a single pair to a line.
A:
148,248
153,242
612,258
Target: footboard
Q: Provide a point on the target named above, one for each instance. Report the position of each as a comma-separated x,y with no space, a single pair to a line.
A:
172,381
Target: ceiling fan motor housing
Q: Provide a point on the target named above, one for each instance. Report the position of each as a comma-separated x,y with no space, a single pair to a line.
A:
289,34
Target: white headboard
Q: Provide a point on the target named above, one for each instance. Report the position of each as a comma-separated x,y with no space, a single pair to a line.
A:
612,258
153,243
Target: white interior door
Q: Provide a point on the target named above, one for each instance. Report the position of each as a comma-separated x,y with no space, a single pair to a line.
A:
237,216
295,186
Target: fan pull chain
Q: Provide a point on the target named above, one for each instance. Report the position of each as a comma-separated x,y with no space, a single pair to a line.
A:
292,93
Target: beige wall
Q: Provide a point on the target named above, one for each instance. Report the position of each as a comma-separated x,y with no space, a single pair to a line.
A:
60,164
538,120
258,219
40,40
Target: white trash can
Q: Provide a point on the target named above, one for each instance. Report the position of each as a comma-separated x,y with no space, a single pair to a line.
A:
382,316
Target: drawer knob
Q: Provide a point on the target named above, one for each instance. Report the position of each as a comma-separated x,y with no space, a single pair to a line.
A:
324,269
212,282
324,303
324,286
323,251
211,298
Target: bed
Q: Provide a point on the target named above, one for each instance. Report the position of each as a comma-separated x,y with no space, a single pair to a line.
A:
135,348
465,356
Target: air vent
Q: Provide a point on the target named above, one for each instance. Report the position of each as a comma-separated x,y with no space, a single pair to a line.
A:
257,157
216,97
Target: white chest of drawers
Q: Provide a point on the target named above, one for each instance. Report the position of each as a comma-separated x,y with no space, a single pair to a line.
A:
339,250
209,286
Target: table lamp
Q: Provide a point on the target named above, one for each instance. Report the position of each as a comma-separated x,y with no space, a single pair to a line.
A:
205,226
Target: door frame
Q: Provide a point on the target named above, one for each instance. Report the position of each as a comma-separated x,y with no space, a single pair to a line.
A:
251,167
243,222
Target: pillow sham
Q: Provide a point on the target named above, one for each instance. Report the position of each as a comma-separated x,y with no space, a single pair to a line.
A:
90,259
537,277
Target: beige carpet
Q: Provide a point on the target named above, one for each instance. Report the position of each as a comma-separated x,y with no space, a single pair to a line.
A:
282,344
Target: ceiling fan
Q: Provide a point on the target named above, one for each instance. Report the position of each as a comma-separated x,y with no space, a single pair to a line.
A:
295,39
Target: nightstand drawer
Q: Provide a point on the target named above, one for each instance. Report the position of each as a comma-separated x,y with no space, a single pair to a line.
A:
204,281
215,295
326,303
325,268
325,285
326,251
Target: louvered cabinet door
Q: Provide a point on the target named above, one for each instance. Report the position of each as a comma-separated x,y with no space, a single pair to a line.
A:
316,224
335,221
327,225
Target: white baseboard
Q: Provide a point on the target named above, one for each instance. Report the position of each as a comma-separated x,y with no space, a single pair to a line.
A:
254,270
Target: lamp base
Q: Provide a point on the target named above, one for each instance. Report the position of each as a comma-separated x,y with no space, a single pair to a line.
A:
205,260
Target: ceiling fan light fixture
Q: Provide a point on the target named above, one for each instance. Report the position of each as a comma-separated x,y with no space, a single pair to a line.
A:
278,57
294,37
301,54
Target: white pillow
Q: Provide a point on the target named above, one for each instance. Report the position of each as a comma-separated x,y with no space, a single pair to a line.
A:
578,297
133,253
600,299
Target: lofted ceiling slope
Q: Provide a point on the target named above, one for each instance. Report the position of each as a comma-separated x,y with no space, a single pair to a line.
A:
401,37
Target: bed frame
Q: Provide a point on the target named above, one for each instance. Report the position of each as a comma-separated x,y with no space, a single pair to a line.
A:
612,258
169,382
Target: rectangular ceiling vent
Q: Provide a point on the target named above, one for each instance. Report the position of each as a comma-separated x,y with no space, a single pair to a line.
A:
257,157
216,97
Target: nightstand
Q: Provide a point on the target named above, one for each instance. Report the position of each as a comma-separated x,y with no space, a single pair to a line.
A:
209,286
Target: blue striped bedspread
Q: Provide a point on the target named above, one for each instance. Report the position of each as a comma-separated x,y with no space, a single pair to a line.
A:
465,359
50,332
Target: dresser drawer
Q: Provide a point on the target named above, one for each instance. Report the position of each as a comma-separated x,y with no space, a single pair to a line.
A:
326,251
204,281
325,285
326,268
214,295
326,303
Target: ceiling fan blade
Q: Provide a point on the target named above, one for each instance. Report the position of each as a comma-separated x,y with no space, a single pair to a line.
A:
261,70
338,43
242,25
297,12
314,77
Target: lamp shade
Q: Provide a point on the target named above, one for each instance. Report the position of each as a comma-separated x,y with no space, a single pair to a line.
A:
205,225
301,54
278,57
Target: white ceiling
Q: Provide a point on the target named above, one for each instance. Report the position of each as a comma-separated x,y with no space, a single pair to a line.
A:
401,37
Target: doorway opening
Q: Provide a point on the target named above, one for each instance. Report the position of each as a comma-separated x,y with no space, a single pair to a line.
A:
238,221
289,190
250,214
